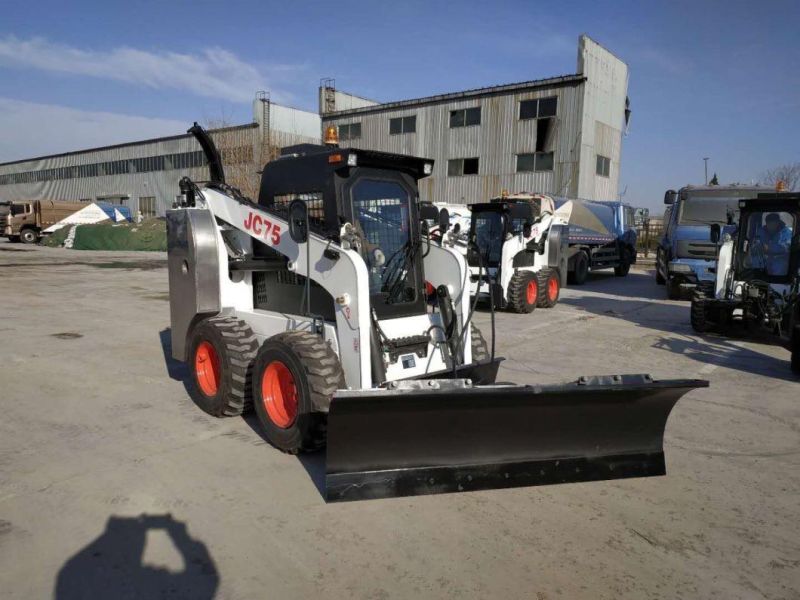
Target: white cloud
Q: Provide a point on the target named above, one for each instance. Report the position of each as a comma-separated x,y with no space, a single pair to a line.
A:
32,129
214,73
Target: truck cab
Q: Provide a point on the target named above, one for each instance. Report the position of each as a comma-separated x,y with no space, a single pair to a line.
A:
686,256
21,216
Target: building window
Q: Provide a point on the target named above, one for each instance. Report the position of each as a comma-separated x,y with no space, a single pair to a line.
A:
465,117
603,167
538,109
351,131
147,206
534,161
462,166
403,125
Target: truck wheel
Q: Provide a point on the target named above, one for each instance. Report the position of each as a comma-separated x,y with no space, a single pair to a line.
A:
523,292
221,353
480,349
674,291
295,375
549,288
659,277
796,351
699,313
622,269
581,268
28,236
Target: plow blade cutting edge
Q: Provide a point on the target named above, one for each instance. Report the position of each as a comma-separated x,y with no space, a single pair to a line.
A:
445,437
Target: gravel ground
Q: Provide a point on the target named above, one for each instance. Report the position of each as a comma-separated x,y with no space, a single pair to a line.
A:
112,480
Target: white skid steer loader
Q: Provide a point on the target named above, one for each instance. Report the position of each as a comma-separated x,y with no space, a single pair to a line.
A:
309,305
758,274
516,249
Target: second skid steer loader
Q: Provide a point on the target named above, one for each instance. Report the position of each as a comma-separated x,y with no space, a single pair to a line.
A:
310,305
516,251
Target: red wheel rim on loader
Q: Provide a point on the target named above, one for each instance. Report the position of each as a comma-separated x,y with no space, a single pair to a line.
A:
206,366
552,288
532,292
279,392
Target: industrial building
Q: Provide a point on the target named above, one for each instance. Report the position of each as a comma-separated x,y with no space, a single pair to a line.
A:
144,175
560,136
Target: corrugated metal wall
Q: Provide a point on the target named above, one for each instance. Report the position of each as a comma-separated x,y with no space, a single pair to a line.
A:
236,144
496,142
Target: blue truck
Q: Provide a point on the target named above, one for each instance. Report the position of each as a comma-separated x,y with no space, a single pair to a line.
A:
602,235
686,256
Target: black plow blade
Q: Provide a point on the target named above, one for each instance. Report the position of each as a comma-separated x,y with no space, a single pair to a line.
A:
448,436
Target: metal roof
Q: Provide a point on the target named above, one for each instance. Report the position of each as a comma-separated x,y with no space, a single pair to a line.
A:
473,93
126,144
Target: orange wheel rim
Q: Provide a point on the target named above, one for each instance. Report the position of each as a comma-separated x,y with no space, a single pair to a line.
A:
279,394
552,289
206,366
531,292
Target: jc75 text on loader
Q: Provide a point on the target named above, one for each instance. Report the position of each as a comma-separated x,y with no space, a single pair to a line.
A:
310,306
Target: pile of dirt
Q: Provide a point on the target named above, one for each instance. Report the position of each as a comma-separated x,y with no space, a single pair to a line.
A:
150,234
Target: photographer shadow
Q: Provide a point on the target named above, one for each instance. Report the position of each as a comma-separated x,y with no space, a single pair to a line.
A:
111,566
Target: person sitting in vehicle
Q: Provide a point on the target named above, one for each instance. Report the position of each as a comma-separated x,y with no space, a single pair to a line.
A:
775,240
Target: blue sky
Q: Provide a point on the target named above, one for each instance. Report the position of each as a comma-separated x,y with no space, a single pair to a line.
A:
716,79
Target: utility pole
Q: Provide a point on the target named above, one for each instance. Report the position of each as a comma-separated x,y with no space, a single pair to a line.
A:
705,160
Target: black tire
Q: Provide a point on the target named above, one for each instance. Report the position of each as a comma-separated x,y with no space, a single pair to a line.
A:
235,346
520,297
659,277
316,374
674,291
796,350
28,236
480,348
624,267
549,288
699,313
580,269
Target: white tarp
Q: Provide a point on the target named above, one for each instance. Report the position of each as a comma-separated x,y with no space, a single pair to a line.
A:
91,213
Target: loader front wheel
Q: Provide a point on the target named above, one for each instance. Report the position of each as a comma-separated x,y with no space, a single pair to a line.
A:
523,292
295,375
221,352
549,288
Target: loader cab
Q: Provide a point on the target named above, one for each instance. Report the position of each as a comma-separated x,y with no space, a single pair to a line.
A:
768,239
492,223
372,199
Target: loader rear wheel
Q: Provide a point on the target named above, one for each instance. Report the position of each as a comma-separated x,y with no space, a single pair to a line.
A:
699,313
295,375
221,353
523,292
549,288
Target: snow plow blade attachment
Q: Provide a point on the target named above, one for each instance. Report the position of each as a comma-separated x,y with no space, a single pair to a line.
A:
445,436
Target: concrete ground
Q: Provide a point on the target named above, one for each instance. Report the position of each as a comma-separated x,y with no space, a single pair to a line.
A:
112,482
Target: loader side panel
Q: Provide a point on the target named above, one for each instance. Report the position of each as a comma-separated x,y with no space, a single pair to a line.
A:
193,264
